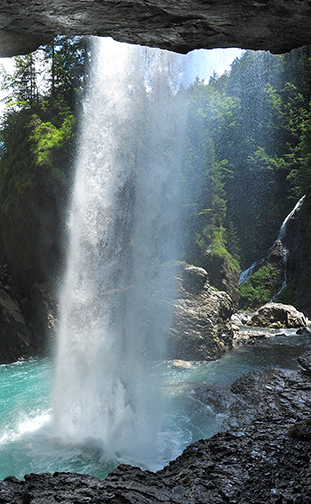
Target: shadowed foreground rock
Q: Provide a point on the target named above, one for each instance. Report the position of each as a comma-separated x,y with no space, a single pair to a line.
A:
271,394
182,26
260,464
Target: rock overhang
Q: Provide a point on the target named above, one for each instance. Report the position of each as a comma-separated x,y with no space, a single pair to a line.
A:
177,25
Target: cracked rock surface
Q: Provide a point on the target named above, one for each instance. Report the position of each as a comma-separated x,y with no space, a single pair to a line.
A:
259,464
183,25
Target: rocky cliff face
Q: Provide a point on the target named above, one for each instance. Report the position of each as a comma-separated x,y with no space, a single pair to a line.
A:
297,241
288,260
285,274
32,234
181,26
15,338
32,229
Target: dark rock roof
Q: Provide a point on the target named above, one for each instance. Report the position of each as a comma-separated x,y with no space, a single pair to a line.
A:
180,26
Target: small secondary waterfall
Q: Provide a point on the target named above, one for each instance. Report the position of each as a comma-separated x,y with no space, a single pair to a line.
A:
296,208
282,233
115,304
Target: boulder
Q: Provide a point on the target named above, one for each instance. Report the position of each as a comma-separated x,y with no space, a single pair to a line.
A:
241,318
15,338
277,315
201,327
304,330
194,279
223,274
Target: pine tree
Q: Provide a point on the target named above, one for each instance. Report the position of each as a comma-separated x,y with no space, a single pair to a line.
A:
21,85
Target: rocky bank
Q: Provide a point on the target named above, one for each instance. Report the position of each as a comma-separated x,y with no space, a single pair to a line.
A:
262,457
261,465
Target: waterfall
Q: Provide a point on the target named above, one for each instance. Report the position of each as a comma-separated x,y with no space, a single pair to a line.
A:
282,233
115,303
249,271
283,227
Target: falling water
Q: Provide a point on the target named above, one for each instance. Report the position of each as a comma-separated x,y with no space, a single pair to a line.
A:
283,227
123,242
249,271
107,404
245,275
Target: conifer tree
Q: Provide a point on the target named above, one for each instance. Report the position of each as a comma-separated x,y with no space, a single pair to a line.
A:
21,85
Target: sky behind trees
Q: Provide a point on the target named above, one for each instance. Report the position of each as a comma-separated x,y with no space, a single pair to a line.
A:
200,63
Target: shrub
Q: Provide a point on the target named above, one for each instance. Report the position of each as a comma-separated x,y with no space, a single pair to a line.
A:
259,288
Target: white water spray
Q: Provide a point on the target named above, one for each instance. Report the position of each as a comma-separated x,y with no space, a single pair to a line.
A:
282,232
115,309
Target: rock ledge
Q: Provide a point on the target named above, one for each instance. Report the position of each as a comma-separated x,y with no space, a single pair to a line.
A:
181,26
257,465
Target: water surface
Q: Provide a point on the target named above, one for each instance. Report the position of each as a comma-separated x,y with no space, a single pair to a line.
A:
29,444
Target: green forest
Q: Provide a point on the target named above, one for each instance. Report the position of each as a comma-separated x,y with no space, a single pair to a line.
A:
245,163
248,154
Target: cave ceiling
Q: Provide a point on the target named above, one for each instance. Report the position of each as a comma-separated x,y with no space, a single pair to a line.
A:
178,25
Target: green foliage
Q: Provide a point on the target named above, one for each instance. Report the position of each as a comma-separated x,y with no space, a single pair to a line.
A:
58,70
219,250
38,129
68,61
218,244
48,142
259,288
248,149
248,152
16,164
300,175
232,242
